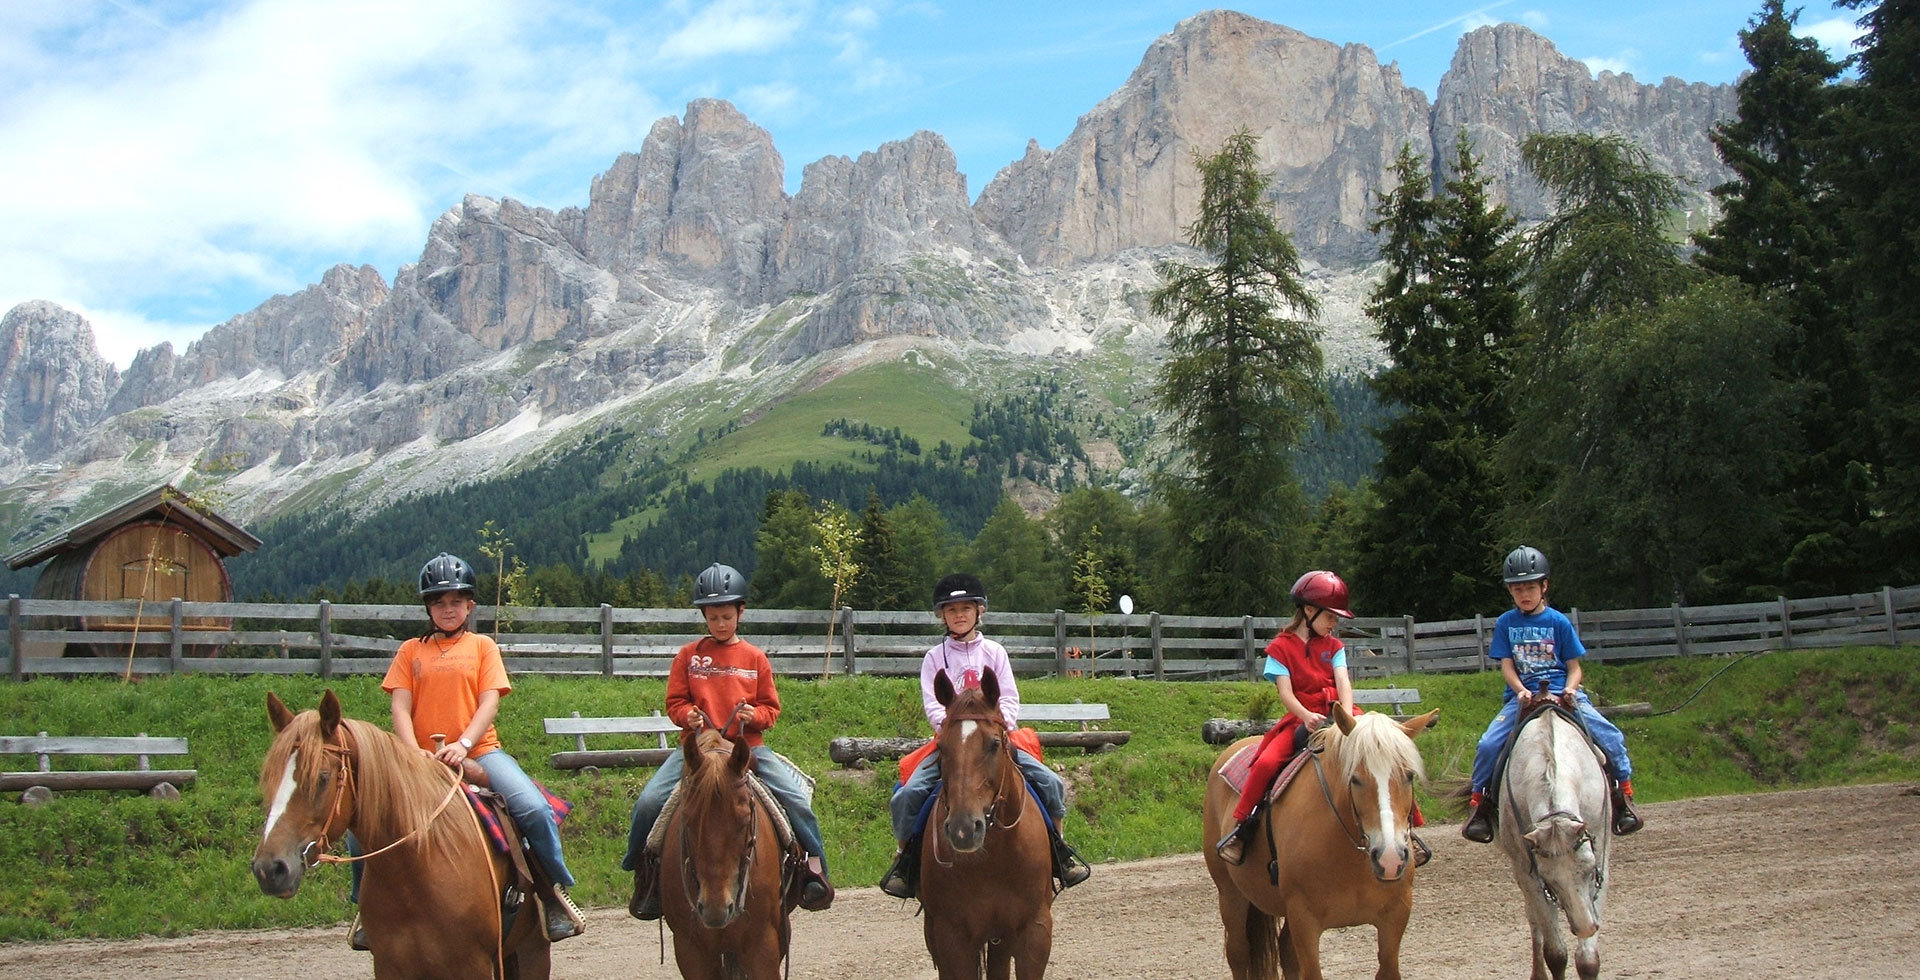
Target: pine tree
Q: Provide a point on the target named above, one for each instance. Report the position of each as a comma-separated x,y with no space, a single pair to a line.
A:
1448,310
1240,383
1778,231
883,581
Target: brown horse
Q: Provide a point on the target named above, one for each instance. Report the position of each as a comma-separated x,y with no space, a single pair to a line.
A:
429,900
723,887
985,879
1337,842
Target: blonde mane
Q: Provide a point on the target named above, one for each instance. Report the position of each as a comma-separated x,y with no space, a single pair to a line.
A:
397,787
1376,744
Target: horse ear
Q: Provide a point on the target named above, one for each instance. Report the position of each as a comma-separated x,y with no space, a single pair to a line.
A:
990,686
742,757
278,713
690,751
329,714
942,688
1342,718
1414,726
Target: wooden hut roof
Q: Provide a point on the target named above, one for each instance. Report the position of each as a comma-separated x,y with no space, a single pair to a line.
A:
164,502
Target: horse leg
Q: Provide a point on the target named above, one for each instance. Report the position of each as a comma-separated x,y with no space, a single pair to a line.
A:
1387,934
1305,934
1586,957
1549,949
999,961
696,962
1033,947
955,956
1289,963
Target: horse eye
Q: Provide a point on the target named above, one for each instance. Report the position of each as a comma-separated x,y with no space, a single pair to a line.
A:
993,744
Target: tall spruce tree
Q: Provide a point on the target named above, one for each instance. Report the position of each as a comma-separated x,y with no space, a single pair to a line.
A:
1876,175
1240,384
884,581
1447,310
1778,231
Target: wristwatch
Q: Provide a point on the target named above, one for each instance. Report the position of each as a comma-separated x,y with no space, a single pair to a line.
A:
466,743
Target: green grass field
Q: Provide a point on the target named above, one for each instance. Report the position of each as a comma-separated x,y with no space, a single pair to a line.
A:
119,864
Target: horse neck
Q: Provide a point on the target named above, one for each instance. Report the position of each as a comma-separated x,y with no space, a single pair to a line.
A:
1560,780
398,794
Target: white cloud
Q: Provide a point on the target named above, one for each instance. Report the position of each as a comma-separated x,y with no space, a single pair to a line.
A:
770,101
1836,34
231,151
1620,64
1477,20
1536,19
735,27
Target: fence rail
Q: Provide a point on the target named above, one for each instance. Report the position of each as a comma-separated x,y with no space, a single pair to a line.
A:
330,640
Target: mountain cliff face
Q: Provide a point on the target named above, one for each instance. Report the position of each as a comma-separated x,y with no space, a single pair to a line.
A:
690,283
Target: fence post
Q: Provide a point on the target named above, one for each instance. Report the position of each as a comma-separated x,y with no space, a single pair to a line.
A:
606,640
1679,630
1247,648
174,663
1059,643
16,637
1480,637
326,640
847,641
1408,620
1786,625
1159,654
1893,625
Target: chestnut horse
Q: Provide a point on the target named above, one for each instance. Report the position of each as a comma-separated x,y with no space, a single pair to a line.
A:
985,870
1335,840
723,887
430,898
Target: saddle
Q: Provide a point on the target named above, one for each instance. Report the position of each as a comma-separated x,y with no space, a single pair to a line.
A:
1538,708
491,809
783,830
1241,763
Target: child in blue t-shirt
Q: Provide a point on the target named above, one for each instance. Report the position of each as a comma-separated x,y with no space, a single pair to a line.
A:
1536,643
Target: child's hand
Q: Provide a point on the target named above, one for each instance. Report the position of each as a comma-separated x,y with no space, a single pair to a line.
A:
742,715
1316,721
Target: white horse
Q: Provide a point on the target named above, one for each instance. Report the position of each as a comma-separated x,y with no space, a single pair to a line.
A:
1556,825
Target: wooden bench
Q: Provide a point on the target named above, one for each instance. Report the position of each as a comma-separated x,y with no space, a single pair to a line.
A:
1225,731
851,749
145,778
581,757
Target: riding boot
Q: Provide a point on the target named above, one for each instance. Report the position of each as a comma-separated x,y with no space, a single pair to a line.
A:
816,892
1625,820
645,903
903,878
357,935
1479,827
1068,866
563,918
1233,847
1421,852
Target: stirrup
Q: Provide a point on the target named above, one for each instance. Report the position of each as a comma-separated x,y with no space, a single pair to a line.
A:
1625,820
1068,865
1421,852
898,881
357,935
816,892
563,918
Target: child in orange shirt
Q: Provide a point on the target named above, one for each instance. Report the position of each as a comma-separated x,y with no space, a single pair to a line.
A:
723,681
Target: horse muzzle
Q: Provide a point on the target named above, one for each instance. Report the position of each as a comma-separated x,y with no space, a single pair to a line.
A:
278,876
966,834
1390,861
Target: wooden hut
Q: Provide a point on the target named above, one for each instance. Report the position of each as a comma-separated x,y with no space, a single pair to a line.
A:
157,546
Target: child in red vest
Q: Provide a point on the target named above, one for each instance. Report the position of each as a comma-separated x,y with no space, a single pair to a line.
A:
1308,666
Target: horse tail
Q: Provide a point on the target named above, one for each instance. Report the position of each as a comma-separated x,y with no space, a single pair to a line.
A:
1263,943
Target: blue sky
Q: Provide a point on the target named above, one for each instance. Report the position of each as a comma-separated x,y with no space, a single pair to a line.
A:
172,163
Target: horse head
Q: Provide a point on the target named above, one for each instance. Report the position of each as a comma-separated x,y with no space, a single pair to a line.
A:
1568,869
308,785
719,827
975,761
1376,758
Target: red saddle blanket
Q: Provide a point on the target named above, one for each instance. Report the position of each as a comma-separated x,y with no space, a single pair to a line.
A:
1237,767
1024,739
491,817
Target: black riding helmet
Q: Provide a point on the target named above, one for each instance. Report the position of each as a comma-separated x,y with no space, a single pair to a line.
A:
445,573
959,587
719,585
1524,564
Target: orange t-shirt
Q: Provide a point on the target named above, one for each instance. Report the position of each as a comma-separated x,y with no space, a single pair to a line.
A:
446,678
715,677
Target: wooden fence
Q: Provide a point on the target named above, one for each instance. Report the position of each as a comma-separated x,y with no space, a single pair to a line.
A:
333,640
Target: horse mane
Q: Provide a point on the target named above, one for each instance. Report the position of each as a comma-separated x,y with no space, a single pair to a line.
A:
703,787
971,704
1376,744
396,787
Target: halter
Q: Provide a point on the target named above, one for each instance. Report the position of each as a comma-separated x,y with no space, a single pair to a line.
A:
1533,862
1358,842
743,873
316,850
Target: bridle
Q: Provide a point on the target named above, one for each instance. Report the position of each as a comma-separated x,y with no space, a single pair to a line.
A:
743,872
1358,841
1533,862
1006,765
316,850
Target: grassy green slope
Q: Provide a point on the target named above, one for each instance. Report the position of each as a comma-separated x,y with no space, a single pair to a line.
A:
119,864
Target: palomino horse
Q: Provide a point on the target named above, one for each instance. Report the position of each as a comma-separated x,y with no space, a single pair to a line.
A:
1333,852
722,889
1556,825
986,883
430,898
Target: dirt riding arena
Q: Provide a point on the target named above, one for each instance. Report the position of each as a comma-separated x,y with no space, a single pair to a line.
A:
1807,884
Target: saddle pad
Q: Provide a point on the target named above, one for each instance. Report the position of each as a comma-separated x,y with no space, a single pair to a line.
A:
926,808
1241,763
783,831
484,807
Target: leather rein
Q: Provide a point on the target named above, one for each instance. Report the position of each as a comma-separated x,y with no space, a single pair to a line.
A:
316,850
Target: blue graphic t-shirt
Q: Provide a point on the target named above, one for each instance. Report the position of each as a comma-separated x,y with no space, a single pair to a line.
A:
1540,646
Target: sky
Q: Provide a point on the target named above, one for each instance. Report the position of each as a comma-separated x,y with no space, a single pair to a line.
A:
169,164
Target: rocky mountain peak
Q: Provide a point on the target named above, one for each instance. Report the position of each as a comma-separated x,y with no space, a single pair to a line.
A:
53,382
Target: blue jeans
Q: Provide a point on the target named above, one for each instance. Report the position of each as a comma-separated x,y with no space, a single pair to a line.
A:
911,795
530,813
1605,734
781,779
